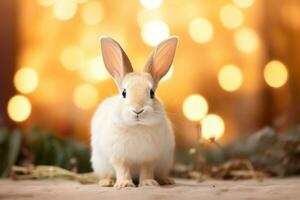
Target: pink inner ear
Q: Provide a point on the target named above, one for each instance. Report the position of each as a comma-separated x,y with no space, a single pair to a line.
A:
112,57
115,59
163,58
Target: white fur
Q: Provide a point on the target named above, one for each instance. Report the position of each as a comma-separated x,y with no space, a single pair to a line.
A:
136,144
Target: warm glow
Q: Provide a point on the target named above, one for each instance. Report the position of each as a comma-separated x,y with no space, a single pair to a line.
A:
231,16
195,107
19,108
244,3
86,96
82,1
153,32
64,9
26,80
169,74
230,78
87,40
246,40
46,3
212,127
72,57
151,4
95,70
201,30
92,13
146,15
275,74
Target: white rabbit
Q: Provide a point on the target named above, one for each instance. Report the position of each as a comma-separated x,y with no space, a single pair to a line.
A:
131,135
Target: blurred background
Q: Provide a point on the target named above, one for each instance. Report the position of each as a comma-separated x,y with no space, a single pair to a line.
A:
236,69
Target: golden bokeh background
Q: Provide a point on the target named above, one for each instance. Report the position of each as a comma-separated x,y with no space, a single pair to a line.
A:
235,69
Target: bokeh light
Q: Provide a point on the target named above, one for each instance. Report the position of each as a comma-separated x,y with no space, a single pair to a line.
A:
212,127
195,107
246,40
46,3
243,3
275,74
87,40
85,96
72,57
18,108
95,70
64,9
231,16
230,78
92,13
153,32
26,80
201,30
146,15
151,4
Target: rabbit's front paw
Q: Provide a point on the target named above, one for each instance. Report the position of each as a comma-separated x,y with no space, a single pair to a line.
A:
107,182
124,183
148,182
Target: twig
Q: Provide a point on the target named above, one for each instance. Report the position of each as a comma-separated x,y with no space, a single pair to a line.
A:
213,141
251,169
44,172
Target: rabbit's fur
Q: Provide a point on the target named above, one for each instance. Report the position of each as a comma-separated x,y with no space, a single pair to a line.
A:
131,134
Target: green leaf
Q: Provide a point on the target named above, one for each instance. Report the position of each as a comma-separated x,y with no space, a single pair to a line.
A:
3,135
12,152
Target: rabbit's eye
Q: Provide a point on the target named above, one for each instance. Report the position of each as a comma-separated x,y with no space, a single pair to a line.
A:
124,93
152,94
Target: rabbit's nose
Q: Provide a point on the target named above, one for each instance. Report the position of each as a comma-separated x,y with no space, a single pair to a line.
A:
138,111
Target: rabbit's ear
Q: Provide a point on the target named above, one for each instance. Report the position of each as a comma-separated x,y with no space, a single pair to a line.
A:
115,59
161,58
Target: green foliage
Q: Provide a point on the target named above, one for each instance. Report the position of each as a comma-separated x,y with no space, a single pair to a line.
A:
49,149
40,147
275,153
9,150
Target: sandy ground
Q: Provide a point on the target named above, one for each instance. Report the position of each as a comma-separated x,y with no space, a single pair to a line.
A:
283,189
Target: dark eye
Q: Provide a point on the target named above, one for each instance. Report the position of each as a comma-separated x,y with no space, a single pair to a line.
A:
152,94
124,93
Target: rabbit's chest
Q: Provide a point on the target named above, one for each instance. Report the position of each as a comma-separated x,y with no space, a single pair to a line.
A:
136,145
